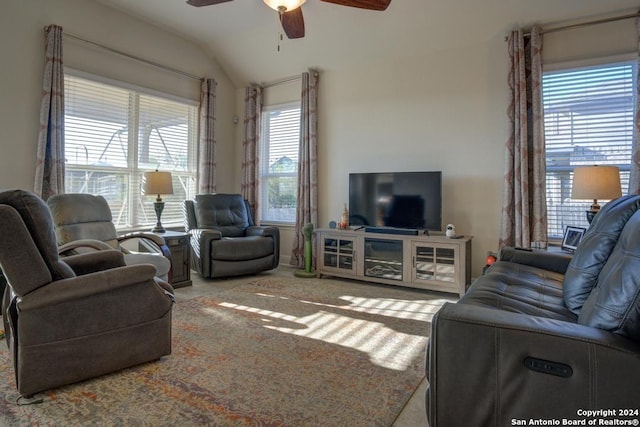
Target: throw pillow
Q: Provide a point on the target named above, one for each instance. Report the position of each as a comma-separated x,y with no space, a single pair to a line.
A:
594,250
614,303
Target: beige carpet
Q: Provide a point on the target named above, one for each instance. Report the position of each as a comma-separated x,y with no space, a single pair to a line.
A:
272,351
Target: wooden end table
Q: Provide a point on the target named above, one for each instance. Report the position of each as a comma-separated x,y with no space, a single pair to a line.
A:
178,244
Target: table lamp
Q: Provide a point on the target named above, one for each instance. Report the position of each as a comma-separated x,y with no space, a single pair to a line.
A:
595,182
158,183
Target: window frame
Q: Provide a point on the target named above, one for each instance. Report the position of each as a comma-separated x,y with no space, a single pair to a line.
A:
264,156
572,66
134,170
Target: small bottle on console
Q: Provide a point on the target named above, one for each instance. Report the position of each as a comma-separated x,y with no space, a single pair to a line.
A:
344,221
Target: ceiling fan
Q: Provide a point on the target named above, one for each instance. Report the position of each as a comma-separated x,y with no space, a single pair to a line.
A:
291,13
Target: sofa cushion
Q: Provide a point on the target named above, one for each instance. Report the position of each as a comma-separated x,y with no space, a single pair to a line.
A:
520,288
224,212
595,248
241,248
614,303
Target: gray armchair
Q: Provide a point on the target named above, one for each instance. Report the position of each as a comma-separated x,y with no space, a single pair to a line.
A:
73,319
224,239
85,221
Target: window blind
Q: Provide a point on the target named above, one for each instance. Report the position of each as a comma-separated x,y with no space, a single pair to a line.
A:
279,163
588,120
114,134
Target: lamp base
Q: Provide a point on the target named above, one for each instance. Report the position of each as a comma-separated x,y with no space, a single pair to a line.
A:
158,229
590,215
158,205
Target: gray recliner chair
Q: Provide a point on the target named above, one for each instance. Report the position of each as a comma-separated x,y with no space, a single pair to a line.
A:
81,317
224,239
85,221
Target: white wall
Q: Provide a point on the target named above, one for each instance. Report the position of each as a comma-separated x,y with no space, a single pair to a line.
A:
610,39
445,111
22,52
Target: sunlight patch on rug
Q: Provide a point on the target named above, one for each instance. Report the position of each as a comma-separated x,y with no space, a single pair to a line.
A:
386,348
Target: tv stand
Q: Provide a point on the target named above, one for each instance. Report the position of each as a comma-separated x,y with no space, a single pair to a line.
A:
414,260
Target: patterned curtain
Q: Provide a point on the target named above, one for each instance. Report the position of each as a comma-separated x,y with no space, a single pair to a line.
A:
207,143
634,177
249,185
49,179
524,209
307,201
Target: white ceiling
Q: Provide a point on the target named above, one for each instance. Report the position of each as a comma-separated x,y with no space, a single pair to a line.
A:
243,34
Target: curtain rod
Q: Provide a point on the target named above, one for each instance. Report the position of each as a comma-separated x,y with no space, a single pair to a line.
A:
136,58
281,81
587,23
285,79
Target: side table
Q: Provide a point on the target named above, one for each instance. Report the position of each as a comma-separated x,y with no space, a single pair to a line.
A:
178,244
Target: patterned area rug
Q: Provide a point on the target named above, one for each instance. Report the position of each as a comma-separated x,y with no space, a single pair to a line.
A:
276,351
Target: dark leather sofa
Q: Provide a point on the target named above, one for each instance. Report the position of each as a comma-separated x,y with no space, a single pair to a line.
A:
224,239
544,336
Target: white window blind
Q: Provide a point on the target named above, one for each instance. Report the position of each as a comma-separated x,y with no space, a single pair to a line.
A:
589,120
279,163
114,134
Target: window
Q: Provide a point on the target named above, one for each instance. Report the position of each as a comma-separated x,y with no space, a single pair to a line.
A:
114,133
279,163
589,120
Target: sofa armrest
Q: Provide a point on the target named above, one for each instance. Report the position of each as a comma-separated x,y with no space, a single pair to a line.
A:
79,287
201,239
158,240
91,262
205,235
154,241
91,244
98,302
482,359
552,261
267,231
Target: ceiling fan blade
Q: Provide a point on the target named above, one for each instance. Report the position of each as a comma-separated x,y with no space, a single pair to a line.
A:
199,3
293,23
362,4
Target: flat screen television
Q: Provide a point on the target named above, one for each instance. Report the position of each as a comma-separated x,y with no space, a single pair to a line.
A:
396,199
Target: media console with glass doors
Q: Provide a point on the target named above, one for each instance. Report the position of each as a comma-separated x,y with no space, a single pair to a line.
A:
421,261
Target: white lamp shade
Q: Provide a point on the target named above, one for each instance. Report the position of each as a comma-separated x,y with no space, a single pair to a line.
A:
288,5
157,183
596,182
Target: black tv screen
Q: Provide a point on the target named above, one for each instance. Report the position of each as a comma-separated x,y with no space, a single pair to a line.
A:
396,199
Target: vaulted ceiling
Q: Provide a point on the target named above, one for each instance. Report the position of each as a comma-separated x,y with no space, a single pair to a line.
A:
243,35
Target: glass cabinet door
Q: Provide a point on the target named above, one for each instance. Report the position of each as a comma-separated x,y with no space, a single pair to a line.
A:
339,253
383,258
434,263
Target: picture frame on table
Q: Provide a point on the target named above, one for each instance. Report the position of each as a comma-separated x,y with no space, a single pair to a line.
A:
572,237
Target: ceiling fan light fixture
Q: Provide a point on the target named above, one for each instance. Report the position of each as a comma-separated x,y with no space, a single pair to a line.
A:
284,5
